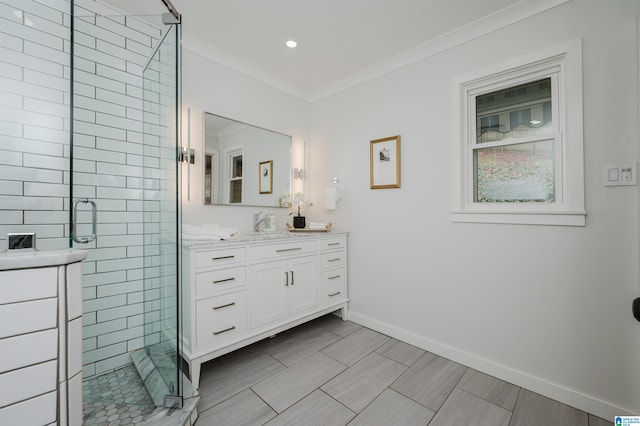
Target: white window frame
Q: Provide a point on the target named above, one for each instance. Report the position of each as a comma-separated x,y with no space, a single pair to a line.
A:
230,154
563,64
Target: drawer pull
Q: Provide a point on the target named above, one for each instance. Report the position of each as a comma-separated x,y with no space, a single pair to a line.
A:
222,257
233,327
334,260
224,280
334,277
333,244
289,249
215,308
334,294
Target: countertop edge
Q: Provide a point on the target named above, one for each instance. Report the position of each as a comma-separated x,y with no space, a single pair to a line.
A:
40,258
259,239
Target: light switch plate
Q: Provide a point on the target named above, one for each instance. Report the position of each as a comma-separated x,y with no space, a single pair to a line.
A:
619,174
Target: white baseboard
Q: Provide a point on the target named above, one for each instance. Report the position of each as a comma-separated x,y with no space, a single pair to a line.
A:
551,390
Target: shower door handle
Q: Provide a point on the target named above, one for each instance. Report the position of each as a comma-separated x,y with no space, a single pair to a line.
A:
74,225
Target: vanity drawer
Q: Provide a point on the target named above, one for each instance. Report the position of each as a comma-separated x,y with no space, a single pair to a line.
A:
24,383
26,317
211,258
333,259
28,349
332,243
282,250
333,286
208,283
221,319
28,284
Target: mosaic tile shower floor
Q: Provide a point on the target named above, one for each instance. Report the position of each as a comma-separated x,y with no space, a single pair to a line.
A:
118,398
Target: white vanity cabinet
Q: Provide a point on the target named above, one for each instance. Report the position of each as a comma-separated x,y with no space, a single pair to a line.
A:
238,292
41,338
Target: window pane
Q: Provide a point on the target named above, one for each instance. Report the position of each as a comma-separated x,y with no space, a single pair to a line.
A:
514,174
236,166
516,112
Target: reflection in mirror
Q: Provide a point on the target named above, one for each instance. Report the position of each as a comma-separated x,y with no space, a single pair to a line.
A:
245,165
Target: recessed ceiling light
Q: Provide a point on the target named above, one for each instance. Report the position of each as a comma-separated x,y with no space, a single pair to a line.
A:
291,44
535,122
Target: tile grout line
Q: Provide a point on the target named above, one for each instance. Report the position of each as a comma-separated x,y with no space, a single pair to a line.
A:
515,405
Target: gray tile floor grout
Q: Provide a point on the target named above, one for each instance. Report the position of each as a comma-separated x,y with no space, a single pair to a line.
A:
335,372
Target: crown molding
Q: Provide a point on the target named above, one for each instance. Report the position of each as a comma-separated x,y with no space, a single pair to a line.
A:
500,19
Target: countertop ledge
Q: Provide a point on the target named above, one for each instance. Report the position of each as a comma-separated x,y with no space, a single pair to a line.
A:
24,259
260,237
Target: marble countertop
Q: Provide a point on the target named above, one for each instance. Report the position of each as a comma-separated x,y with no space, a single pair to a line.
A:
250,237
24,259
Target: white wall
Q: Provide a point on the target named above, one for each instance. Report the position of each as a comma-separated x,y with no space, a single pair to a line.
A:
544,307
222,91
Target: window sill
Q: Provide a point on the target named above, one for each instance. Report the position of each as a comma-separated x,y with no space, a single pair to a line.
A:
522,218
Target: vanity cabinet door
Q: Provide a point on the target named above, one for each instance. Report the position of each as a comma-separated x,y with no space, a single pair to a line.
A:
303,290
282,288
268,285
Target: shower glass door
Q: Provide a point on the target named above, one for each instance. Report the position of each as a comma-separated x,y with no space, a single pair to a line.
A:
161,207
124,197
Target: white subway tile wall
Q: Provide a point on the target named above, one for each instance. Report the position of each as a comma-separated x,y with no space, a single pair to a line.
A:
109,56
107,131
34,114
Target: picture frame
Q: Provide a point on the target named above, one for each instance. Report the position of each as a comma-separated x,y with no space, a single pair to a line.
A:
265,177
385,163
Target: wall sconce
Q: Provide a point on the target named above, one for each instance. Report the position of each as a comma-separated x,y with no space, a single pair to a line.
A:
298,173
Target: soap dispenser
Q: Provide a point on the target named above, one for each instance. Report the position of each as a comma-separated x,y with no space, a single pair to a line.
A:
270,222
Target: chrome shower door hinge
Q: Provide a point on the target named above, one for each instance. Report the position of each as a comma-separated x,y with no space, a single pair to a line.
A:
172,402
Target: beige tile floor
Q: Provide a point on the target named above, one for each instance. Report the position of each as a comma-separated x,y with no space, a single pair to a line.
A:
332,372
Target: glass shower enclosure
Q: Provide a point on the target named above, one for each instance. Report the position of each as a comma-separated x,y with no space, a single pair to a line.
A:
89,137
126,105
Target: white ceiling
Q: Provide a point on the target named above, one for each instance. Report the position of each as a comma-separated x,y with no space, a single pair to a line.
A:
337,39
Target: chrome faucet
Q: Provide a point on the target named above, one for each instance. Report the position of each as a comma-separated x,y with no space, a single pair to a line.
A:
258,218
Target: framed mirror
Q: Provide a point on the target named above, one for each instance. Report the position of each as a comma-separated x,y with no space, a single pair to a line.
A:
245,165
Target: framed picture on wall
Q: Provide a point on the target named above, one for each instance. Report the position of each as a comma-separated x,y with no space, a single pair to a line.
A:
385,163
265,177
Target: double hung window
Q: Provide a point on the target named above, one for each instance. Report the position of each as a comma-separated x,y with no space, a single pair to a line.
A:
518,142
